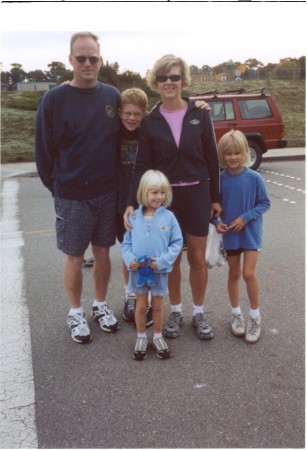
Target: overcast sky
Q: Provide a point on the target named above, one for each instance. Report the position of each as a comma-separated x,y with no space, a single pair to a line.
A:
136,34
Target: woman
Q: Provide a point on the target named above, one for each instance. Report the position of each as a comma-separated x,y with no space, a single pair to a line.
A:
178,139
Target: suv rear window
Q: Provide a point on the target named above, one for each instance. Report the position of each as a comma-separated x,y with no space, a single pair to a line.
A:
254,109
221,110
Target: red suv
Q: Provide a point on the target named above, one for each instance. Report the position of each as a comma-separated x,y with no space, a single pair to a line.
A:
255,114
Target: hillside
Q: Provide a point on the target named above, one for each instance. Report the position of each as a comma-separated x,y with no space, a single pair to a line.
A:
18,114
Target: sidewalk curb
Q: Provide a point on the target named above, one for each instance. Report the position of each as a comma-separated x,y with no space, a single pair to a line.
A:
283,158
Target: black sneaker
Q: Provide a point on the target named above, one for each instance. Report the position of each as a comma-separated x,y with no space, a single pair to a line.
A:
106,318
129,308
79,329
149,319
161,348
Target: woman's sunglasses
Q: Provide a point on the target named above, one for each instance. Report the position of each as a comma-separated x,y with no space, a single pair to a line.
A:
92,59
164,78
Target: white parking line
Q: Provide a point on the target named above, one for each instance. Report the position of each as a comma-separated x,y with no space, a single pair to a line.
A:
17,415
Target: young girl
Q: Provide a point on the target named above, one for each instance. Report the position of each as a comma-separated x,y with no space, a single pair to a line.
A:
244,200
155,233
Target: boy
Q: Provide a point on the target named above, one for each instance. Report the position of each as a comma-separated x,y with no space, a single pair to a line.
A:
133,108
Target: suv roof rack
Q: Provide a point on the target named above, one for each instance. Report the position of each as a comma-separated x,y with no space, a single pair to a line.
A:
215,92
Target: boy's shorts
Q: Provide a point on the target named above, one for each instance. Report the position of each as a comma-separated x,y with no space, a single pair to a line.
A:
79,223
160,289
192,208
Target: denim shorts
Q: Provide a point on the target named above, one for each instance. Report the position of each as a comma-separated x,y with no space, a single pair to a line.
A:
81,222
160,287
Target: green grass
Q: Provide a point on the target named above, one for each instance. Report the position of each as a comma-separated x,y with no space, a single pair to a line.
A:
18,114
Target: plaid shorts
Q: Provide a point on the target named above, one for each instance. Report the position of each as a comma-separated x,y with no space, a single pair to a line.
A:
81,222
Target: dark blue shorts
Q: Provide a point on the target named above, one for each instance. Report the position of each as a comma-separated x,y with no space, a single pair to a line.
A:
79,223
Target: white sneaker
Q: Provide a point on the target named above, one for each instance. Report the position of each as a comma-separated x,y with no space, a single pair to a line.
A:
237,324
105,317
253,330
79,328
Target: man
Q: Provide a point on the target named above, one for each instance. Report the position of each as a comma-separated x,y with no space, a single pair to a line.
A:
77,127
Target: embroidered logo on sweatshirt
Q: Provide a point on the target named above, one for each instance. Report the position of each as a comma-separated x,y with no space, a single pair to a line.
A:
165,228
110,112
195,122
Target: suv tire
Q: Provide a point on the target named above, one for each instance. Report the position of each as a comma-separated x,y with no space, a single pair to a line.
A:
255,155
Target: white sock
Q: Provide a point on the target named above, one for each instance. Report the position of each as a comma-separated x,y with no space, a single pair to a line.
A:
176,308
142,335
74,311
149,298
236,310
157,335
197,309
100,303
254,313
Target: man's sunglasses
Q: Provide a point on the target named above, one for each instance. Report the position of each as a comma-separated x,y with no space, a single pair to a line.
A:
164,78
92,59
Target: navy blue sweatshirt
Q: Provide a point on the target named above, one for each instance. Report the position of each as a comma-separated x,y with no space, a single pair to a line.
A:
76,141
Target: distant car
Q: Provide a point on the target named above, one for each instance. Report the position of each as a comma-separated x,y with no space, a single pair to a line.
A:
255,114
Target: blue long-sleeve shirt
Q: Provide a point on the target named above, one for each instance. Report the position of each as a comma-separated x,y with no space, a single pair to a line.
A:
160,237
244,195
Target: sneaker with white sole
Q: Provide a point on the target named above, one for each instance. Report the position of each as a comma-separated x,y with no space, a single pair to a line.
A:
202,327
105,317
161,348
253,330
140,348
237,324
173,324
129,308
79,328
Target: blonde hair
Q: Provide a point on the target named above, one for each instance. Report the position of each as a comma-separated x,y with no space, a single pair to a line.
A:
163,66
151,180
233,139
135,97
82,35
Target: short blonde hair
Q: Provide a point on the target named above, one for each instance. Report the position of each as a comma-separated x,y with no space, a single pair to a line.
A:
134,96
151,180
163,66
82,35
233,139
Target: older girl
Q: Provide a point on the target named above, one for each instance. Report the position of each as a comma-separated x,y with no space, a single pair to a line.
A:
244,200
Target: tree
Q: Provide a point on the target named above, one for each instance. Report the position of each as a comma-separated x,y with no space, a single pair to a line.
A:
17,74
253,63
56,71
37,75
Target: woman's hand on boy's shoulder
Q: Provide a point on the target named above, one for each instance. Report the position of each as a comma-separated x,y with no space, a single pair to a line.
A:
202,105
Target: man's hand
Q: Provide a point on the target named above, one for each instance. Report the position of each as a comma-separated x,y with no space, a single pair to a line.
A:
129,212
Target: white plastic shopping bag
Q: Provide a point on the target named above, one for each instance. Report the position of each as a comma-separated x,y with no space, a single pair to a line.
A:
215,253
